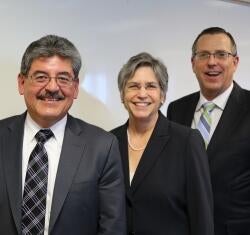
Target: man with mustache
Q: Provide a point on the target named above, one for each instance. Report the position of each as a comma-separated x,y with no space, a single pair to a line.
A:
221,111
58,174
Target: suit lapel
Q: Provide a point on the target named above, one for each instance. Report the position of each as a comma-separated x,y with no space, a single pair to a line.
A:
12,157
71,154
123,145
230,118
156,144
190,110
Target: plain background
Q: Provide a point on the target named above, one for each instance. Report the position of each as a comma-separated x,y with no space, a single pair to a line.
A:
107,33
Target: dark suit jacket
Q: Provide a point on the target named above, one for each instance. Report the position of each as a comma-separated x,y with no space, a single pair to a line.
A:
170,193
229,159
89,190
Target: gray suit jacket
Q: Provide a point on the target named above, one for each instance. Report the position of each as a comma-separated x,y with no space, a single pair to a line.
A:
89,192
229,159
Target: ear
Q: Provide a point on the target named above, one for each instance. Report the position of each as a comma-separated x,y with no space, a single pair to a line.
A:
236,60
193,63
21,81
122,97
163,98
76,88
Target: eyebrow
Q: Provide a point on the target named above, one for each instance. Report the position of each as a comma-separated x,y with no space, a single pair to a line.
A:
43,72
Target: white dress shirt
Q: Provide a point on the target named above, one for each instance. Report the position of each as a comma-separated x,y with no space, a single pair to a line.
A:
53,147
220,101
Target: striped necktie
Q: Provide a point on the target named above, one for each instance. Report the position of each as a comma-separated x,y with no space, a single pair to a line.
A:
35,187
204,124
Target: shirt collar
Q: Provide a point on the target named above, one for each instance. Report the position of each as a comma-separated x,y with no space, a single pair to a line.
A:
32,128
220,101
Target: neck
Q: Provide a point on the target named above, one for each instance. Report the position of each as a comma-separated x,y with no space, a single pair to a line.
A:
140,126
139,132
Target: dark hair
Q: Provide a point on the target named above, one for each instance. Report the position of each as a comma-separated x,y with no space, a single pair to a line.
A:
143,59
49,46
215,30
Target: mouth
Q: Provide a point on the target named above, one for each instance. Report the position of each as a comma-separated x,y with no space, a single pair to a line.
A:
213,74
141,104
50,99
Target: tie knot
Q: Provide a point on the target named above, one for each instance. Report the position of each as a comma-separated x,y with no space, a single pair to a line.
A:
208,107
43,135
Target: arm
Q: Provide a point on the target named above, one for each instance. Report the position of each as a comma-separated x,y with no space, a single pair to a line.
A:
199,190
112,195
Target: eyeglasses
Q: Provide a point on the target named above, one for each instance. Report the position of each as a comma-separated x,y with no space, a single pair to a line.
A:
149,86
219,55
41,80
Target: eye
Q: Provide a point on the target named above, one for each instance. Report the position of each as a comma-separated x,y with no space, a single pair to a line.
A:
40,78
203,55
63,79
133,86
221,54
151,86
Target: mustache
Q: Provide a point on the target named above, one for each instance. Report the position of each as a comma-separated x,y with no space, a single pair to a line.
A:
51,95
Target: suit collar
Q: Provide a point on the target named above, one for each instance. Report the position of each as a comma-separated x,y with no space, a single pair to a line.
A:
157,142
231,117
189,110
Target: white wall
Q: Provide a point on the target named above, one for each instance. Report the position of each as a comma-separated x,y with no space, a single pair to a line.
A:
107,33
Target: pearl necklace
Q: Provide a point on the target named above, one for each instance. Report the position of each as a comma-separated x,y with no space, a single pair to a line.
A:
131,146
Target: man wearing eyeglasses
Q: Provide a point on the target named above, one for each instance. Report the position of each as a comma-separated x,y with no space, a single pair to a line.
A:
58,174
225,127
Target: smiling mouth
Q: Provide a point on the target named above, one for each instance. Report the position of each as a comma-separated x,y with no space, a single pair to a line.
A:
50,100
213,73
141,104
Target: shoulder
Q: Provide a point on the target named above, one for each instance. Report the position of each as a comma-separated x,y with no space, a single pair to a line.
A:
181,131
93,132
118,131
239,91
176,131
12,120
186,99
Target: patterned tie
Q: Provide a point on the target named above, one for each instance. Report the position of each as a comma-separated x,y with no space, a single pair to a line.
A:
205,121
35,187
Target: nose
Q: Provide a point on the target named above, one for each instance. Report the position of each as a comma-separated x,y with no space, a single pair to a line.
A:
142,92
52,85
211,59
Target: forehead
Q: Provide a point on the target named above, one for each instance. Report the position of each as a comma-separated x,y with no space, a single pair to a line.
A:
51,63
144,73
213,42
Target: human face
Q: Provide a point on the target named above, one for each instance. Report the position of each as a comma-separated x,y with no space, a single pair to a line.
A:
50,103
142,95
214,75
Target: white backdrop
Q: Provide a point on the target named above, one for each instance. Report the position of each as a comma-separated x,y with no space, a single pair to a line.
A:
107,33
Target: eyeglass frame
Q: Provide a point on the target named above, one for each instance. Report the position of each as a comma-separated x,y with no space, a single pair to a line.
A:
148,86
215,55
43,83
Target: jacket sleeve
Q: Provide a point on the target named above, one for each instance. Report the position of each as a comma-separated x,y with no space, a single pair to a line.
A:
112,195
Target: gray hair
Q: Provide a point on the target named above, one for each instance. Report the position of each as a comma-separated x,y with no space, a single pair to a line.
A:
140,60
49,46
212,31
